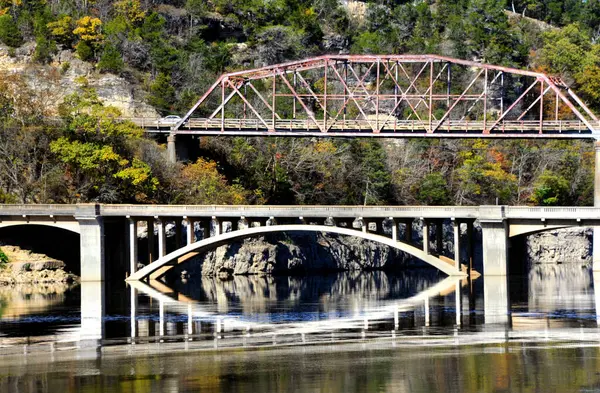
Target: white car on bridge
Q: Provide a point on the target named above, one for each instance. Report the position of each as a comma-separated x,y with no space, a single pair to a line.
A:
170,120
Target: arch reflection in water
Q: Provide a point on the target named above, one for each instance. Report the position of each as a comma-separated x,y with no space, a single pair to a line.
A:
283,305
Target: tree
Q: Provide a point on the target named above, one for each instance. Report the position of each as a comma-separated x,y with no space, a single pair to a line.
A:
62,31
162,93
550,190
277,44
90,35
9,32
97,150
433,190
111,60
204,185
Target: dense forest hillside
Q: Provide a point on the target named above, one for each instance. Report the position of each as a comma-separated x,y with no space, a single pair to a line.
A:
173,50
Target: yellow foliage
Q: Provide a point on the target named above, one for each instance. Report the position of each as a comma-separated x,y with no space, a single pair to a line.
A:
130,9
324,147
205,185
62,27
89,29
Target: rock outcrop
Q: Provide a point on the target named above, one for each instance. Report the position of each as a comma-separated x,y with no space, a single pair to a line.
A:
61,77
297,253
29,267
567,245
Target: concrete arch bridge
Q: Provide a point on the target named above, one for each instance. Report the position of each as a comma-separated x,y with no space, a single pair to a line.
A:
98,224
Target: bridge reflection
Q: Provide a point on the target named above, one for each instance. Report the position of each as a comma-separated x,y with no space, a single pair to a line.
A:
293,310
360,310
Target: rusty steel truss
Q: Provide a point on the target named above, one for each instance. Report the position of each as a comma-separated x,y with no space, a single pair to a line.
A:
389,95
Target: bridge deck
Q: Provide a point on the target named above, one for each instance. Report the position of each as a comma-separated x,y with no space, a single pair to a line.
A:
383,126
230,211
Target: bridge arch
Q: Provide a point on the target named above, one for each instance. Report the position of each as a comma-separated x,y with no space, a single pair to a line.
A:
60,242
71,226
215,241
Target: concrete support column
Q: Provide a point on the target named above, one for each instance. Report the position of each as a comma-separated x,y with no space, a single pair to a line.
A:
425,235
133,309
364,225
408,231
439,239
133,245
496,302
171,149
150,226
205,224
215,223
243,223
426,311
394,229
456,231
470,245
162,237
495,248
190,236
190,324
91,229
457,303
596,229
161,318
177,233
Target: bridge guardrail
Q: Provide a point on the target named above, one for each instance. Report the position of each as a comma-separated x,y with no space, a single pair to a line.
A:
293,211
39,210
474,212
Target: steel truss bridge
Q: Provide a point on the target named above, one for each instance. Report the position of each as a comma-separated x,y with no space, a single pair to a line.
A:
389,96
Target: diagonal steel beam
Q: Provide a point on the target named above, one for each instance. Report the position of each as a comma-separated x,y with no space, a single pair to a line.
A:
249,105
197,104
457,101
264,101
569,103
357,105
510,108
308,112
534,102
403,95
480,97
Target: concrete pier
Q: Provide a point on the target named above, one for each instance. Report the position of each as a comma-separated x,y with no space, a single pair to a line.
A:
93,310
91,229
495,246
133,244
171,148
596,228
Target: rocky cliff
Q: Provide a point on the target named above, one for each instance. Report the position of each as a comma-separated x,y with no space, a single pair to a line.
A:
62,77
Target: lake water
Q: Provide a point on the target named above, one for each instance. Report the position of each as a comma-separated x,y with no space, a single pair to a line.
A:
416,331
